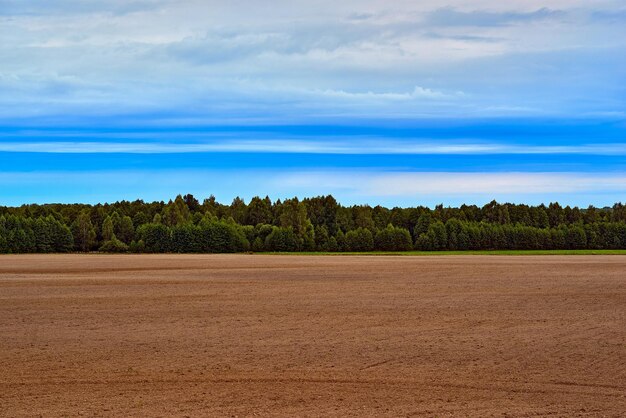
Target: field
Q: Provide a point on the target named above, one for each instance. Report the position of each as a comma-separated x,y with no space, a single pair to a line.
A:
242,335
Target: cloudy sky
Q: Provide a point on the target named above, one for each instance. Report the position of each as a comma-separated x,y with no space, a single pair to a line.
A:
399,103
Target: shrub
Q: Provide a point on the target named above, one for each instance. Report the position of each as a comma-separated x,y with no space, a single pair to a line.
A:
282,240
359,239
137,247
257,245
221,237
393,239
114,245
156,237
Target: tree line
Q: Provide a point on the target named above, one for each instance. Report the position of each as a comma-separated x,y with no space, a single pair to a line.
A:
185,225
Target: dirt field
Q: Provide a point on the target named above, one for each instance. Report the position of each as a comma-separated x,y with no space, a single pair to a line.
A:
242,335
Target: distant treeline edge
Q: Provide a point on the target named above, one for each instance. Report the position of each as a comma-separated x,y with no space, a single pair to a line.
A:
184,225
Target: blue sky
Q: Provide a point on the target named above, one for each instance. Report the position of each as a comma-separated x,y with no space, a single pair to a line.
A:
400,103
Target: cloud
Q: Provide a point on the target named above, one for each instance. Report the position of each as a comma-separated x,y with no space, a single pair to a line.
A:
350,187
462,37
613,16
294,145
307,37
403,184
451,17
297,60
71,7
417,93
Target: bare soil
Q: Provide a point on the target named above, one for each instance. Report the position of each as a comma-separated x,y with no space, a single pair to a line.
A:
242,335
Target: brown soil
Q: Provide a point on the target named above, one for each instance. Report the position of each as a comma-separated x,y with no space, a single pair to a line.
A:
241,335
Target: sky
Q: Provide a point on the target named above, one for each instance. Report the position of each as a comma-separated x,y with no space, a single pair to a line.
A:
397,103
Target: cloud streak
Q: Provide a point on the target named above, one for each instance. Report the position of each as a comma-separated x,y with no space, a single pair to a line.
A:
65,7
357,146
350,187
451,17
72,58
457,186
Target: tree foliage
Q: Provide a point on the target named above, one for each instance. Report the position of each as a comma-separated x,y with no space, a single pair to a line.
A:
184,225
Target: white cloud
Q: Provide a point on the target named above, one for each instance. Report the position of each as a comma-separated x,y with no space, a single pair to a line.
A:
349,186
416,93
428,184
81,7
298,57
360,146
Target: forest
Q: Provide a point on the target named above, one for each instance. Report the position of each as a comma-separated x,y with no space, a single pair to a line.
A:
319,224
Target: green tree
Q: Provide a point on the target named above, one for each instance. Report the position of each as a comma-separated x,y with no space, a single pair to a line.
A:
576,237
293,215
259,211
62,239
185,238
321,238
282,240
156,237
43,235
393,239
107,229
423,243
333,245
360,240
84,232
192,203
423,223
258,245
238,210
340,239
539,217
4,247
140,218
176,212
438,236
362,216
221,237
114,245
322,211
137,247
125,230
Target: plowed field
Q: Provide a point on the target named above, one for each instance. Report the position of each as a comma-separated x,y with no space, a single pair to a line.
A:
242,335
